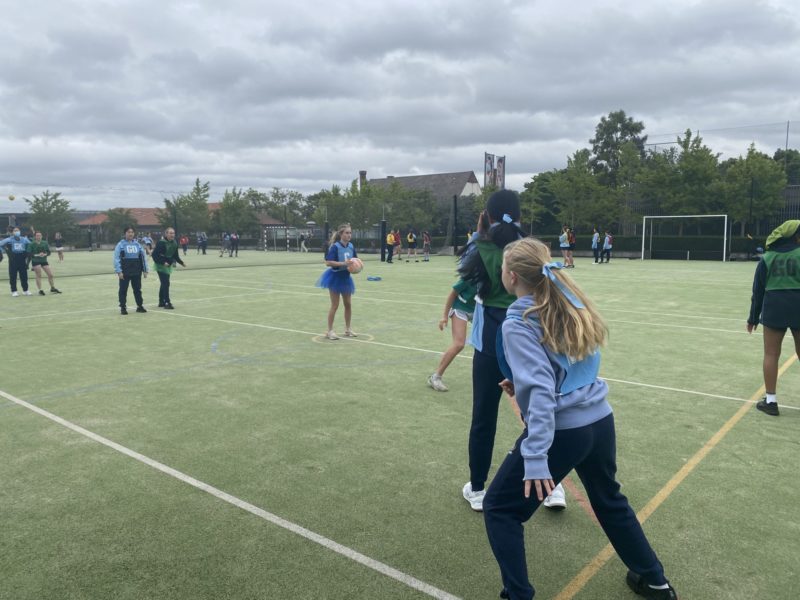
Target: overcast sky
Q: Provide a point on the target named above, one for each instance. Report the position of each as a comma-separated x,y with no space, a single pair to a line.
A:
124,102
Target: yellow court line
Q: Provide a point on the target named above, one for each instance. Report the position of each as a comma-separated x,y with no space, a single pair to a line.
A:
581,579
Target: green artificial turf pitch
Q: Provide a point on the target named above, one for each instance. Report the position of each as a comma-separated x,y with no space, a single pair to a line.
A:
238,389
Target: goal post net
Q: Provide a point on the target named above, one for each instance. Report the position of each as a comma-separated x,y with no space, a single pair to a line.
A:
685,237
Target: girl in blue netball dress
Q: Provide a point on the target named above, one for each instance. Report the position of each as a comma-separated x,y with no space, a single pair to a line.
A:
337,278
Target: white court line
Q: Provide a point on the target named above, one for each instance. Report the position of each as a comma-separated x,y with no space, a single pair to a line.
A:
90,310
329,544
286,329
671,389
461,356
680,326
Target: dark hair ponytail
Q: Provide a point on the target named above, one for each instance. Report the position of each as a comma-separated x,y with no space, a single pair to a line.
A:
503,209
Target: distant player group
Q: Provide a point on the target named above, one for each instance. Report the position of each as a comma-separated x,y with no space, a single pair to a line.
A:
24,253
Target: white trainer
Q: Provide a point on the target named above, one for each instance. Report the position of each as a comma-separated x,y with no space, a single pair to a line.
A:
435,381
350,333
14,294
557,500
331,336
475,499
27,293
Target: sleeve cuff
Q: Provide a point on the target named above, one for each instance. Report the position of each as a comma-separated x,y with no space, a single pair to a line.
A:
536,468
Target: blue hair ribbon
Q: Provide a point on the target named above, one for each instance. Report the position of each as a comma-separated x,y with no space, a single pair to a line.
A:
547,271
507,218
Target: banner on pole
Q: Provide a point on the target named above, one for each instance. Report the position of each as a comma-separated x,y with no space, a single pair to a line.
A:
488,170
500,173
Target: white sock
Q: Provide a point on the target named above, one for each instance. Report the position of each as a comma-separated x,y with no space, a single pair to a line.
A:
772,398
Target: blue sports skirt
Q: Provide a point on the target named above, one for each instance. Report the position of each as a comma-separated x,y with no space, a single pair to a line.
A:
337,281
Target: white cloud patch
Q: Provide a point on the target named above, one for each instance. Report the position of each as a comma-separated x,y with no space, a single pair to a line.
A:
115,103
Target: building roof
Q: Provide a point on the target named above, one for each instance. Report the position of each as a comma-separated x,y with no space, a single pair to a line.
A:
442,186
147,217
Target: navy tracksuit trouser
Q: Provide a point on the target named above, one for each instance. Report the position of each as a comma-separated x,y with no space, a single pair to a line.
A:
591,451
486,394
17,266
135,281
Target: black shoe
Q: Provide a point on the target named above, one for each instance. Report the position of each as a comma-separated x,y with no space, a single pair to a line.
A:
55,291
169,306
504,594
123,310
771,408
161,305
640,587
41,292
140,309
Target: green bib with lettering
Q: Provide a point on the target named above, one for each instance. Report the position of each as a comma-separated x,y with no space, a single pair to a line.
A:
783,270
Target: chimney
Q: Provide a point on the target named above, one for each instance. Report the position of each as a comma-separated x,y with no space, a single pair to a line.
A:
362,179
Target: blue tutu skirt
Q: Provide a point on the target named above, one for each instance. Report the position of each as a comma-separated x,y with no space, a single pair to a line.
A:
337,281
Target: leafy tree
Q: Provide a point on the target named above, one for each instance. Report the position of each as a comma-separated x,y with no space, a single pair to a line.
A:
190,209
694,186
236,213
581,200
610,134
753,189
538,203
50,213
117,220
790,162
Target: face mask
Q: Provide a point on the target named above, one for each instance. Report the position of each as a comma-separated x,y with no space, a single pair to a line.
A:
16,234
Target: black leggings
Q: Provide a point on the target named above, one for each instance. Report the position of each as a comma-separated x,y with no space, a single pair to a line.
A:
136,282
163,291
17,266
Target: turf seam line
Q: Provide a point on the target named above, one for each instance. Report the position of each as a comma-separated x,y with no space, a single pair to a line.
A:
327,543
601,558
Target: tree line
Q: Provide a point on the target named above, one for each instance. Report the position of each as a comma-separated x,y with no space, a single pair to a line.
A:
612,184
621,177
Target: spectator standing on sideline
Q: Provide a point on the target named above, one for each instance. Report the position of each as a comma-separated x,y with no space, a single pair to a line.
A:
563,244
411,238
17,260
608,244
398,248
426,246
58,242
389,246
235,244
596,245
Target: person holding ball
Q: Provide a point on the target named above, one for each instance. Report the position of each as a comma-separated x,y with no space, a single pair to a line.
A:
337,279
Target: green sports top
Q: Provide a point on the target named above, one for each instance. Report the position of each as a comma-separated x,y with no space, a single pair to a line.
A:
492,258
783,270
35,248
465,298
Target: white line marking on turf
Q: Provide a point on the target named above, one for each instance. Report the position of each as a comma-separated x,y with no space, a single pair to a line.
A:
672,389
91,310
362,559
311,333
461,356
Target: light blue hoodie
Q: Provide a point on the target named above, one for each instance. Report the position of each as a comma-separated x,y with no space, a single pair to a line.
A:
538,378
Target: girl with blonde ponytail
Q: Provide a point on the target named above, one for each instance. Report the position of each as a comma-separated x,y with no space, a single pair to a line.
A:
549,352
